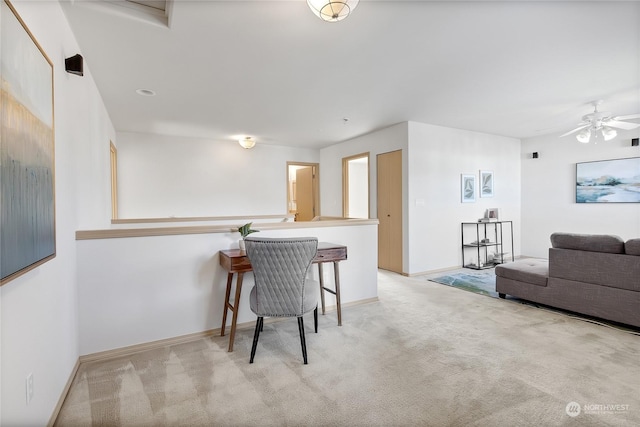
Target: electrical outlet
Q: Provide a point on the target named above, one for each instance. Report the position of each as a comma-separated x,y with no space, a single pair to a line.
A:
29,383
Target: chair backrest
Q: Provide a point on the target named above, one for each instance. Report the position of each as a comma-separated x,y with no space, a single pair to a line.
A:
280,267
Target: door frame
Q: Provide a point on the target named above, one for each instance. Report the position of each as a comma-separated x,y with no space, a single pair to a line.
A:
113,162
315,184
401,250
345,182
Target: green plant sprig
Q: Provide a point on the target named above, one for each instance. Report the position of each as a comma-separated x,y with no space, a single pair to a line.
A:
246,229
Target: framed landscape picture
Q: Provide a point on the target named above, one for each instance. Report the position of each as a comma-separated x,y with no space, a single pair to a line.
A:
608,181
468,188
27,207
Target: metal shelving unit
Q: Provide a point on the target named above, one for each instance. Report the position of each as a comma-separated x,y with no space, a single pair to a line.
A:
489,245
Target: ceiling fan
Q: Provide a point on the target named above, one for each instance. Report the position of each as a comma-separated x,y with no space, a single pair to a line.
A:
601,124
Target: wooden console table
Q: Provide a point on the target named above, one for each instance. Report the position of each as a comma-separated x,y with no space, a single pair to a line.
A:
236,261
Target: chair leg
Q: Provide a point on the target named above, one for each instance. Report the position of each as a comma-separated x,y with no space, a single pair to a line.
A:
302,340
315,319
255,337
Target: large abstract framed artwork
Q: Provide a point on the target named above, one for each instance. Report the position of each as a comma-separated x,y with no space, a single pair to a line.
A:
27,202
608,181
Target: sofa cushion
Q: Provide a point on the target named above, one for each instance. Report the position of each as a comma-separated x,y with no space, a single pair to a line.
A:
530,270
598,268
588,242
632,247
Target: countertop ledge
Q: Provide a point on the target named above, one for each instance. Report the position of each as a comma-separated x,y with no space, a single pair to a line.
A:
116,233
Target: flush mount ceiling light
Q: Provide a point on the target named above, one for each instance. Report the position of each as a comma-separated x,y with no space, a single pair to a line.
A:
247,142
332,10
145,92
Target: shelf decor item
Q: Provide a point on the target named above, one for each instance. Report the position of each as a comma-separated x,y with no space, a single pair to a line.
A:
468,188
486,184
27,207
244,231
493,214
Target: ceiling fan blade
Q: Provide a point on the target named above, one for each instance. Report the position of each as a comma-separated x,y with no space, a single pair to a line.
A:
576,130
620,125
629,117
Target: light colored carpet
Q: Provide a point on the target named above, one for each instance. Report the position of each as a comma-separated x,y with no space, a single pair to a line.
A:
425,354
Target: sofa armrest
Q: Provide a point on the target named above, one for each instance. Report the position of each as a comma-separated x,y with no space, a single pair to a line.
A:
632,247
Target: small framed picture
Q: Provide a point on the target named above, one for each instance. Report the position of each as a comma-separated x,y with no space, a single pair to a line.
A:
486,184
468,188
492,213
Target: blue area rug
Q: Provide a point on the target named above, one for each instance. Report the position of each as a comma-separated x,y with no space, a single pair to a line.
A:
481,282
484,282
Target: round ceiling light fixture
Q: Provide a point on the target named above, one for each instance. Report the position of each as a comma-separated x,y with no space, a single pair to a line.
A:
332,10
247,142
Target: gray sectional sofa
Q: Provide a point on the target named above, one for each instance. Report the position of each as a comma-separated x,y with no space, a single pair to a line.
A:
596,275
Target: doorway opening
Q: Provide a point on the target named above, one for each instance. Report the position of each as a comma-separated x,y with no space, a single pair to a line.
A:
303,195
355,186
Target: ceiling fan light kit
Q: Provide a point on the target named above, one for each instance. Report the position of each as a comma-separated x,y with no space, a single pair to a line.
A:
332,10
601,123
609,133
584,136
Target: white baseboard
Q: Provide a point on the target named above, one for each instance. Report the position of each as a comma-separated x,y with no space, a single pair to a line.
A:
63,395
152,345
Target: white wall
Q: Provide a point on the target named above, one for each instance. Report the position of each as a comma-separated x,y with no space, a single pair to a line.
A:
433,159
39,314
385,140
437,158
549,185
382,141
39,323
163,176
169,286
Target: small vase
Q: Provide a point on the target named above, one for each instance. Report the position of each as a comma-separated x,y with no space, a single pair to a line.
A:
241,244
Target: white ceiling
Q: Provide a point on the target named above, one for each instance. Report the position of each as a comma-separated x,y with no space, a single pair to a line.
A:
273,70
